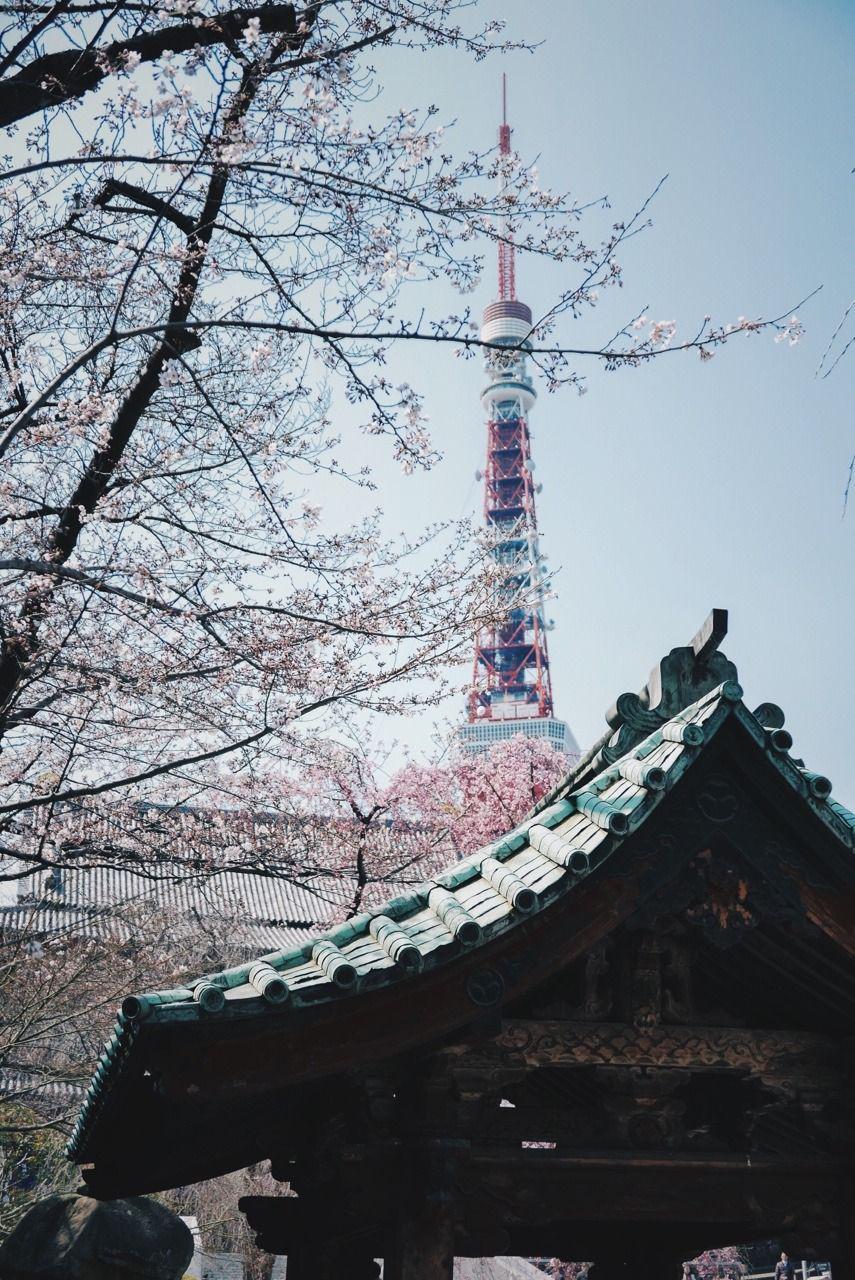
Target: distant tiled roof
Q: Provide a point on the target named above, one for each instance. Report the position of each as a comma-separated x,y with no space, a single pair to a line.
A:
274,911
31,1087
45,919
652,742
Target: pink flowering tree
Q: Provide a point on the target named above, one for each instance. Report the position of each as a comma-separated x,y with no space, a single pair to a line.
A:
351,838
715,1264
361,832
560,1270
477,798
728,1263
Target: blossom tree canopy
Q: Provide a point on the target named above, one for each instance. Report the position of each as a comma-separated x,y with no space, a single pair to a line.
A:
211,230
376,835
728,1263
478,797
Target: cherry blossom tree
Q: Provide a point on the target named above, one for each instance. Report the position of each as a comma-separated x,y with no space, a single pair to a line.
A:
170,598
354,834
715,1264
477,798
561,1270
222,1226
213,236
728,1263
59,989
370,832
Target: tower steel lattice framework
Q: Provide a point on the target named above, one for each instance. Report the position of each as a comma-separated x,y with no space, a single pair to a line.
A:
511,684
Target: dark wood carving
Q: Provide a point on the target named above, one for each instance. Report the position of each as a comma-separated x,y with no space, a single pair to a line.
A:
774,1056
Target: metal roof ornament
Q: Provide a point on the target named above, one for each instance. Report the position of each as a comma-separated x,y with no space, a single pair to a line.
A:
678,680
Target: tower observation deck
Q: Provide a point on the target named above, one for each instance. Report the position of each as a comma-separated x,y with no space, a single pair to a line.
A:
511,685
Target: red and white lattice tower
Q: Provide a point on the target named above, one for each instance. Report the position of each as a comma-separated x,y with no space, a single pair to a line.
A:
511,685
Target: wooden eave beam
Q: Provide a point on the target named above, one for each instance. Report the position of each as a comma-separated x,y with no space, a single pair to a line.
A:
774,1057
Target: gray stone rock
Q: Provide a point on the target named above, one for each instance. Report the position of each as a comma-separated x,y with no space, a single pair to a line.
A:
72,1237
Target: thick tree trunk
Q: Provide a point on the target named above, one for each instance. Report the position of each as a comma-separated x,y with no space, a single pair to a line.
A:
62,76
21,651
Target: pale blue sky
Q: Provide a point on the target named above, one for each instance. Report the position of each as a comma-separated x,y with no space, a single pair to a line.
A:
681,485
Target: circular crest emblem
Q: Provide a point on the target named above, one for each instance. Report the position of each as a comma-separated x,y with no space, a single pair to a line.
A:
717,799
485,987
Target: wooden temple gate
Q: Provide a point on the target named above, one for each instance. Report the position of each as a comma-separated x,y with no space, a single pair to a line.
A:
625,1033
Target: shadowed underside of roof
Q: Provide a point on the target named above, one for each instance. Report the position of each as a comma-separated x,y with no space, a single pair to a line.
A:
654,740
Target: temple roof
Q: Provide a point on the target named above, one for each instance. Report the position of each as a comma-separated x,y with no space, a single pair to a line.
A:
654,739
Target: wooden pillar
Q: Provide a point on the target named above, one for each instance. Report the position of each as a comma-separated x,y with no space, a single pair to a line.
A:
324,1260
421,1239
423,1243
299,1264
842,1257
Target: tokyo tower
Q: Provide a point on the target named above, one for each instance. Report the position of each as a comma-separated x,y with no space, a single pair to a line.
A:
511,684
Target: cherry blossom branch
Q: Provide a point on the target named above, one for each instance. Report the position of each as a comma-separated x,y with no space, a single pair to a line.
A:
200,757
145,199
93,482
33,33
204,616
821,369
62,76
465,341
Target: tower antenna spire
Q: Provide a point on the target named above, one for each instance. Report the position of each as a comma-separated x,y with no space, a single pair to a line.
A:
507,263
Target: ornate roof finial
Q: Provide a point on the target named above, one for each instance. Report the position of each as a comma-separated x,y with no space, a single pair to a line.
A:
677,681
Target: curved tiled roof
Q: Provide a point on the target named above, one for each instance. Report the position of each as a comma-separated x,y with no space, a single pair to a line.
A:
493,890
